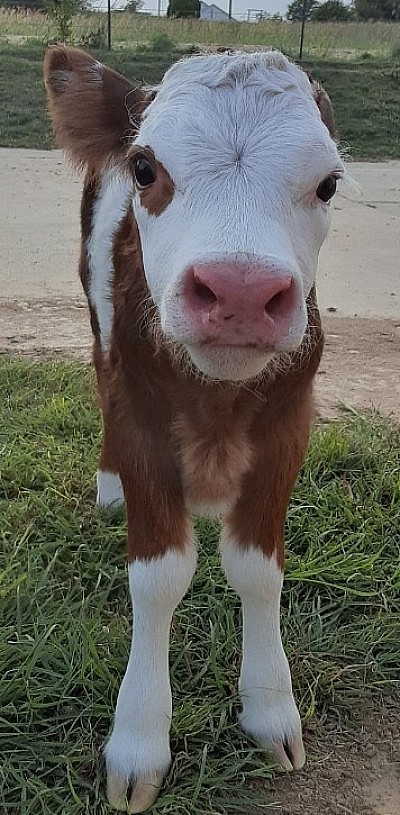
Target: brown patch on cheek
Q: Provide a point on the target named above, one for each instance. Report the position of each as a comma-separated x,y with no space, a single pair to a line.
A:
159,195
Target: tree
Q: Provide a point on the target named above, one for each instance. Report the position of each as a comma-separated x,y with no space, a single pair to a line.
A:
183,8
35,5
62,12
134,6
332,10
377,9
298,7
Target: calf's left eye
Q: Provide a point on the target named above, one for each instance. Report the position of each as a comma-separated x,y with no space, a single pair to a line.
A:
327,188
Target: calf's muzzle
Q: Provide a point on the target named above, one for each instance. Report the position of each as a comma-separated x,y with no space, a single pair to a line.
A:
240,304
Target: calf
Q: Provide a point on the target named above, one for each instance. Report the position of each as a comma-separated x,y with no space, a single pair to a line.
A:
204,208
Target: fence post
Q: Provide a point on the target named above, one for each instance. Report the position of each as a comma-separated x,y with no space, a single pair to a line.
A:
109,25
303,24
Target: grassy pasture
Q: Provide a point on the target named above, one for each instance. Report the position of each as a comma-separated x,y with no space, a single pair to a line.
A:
365,95
65,616
322,39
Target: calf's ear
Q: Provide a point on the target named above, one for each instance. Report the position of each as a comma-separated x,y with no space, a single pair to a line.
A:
95,111
325,107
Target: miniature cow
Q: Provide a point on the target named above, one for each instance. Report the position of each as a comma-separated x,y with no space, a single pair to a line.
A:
204,208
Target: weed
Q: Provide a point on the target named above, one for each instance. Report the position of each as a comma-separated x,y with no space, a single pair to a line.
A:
161,44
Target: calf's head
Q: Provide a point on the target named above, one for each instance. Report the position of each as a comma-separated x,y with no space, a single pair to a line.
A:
230,171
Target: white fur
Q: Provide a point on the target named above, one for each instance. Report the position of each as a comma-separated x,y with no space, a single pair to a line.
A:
242,139
269,712
109,208
110,492
139,743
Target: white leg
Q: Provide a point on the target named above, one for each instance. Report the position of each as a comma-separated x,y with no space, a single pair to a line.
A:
138,751
109,490
269,713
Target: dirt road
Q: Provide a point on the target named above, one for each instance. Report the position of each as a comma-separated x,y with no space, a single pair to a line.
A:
43,313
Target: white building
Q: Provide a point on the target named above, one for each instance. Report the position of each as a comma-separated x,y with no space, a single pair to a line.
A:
212,12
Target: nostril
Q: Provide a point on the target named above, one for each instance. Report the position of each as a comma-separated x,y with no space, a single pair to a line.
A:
280,303
203,293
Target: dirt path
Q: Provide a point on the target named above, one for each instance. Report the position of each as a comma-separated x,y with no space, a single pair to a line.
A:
356,772
360,367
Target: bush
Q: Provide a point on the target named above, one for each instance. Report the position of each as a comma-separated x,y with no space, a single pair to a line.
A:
157,44
62,12
332,10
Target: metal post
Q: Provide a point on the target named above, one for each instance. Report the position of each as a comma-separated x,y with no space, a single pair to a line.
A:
109,25
159,8
230,9
303,23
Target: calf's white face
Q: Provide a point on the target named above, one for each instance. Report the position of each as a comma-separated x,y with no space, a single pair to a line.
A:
233,172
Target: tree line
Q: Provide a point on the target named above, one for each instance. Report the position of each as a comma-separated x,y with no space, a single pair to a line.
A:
311,9
340,11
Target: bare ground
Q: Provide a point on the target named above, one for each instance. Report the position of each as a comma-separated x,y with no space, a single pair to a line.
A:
352,770
360,368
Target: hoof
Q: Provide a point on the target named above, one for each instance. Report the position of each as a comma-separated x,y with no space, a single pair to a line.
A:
290,754
135,797
276,726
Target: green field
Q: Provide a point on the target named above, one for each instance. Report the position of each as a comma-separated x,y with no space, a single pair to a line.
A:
65,616
322,39
365,95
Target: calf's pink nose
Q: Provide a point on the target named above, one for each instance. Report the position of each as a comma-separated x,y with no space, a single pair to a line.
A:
238,304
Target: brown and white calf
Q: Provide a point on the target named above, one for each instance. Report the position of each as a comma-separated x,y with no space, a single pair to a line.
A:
204,208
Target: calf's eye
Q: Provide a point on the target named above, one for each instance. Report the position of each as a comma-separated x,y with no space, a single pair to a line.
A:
327,188
143,172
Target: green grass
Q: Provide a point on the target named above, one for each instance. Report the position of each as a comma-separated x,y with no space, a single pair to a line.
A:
65,616
322,39
365,95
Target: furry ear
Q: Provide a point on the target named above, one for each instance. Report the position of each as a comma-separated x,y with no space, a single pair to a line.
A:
325,107
95,110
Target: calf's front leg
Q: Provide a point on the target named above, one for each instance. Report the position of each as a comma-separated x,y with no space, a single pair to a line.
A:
252,550
138,752
269,713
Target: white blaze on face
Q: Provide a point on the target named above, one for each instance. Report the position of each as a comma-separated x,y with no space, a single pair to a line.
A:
243,142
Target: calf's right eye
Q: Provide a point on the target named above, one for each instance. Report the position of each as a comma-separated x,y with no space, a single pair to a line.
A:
143,172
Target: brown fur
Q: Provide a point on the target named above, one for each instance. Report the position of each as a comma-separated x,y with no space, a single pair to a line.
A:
325,107
95,111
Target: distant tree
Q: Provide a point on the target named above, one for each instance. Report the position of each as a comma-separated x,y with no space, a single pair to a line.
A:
35,5
377,9
295,9
183,8
332,10
134,6
62,12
